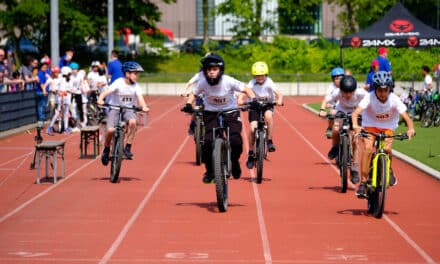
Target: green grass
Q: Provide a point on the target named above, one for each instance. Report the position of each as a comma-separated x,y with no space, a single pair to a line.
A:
424,147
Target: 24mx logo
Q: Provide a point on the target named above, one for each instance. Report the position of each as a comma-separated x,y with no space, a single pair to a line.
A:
377,42
429,42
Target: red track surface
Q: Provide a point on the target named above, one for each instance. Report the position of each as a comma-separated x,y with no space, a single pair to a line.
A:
161,212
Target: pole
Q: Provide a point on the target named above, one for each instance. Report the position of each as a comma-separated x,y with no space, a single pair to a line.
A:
54,33
110,29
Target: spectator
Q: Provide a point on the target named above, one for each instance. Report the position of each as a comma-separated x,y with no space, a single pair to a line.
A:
41,91
10,65
3,67
66,58
17,84
384,63
369,82
26,73
427,81
114,67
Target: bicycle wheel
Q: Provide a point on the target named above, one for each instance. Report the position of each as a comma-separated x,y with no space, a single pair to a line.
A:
260,155
197,138
117,157
344,159
381,188
219,157
427,117
437,117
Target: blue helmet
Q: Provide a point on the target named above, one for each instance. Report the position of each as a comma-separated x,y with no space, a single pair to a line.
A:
337,72
382,79
74,66
131,66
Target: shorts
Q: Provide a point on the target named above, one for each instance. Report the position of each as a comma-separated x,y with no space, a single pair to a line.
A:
253,115
113,117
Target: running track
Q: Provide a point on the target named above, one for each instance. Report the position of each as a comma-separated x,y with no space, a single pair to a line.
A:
161,212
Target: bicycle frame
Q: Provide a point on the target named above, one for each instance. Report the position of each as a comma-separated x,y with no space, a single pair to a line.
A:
380,151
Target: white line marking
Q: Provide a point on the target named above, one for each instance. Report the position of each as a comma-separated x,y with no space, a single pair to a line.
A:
141,206
402,233
17,158
261,223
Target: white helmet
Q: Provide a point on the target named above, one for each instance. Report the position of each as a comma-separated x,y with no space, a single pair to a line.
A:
66,70
95,63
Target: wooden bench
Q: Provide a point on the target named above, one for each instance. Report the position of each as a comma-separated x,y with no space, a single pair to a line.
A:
50,149
89,133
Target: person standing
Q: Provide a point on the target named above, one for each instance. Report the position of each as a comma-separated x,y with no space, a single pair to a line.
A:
114,67
384,62
369,82
66,59
427,81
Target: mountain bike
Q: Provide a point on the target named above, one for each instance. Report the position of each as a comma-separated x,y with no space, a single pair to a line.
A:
429,113
117,152
199,133
260,140
221,158
380,169
345,156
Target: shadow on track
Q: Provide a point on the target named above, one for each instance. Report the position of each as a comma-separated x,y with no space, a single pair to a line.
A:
211,206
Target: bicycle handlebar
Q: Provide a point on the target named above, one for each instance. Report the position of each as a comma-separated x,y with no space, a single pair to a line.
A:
135,108
382,135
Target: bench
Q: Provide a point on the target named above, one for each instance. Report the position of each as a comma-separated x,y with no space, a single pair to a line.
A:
89,133
50,149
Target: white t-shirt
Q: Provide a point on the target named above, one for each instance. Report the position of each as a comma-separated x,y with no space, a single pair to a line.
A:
221,96
427,82
123,93
344,105
93,77
77,81
331,89
264,92
381,115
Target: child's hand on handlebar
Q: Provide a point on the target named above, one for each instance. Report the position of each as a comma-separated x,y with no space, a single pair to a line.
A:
100,102
145,109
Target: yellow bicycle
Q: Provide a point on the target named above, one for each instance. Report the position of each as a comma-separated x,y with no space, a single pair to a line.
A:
379,179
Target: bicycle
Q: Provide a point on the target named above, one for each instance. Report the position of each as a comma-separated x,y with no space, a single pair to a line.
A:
380,170
221,158
260,140
117,153
345,156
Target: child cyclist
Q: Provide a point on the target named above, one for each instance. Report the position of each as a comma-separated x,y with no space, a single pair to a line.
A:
381,110
125,91
348,98
219,95
336,74
267,92
63,87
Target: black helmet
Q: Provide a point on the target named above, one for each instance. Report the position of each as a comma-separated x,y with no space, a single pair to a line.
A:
131,66
212,60
101,71
382,79
348,83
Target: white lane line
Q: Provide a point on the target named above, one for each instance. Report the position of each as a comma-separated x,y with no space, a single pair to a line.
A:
36,197
12,172
141,206
17,158
399,231
261,223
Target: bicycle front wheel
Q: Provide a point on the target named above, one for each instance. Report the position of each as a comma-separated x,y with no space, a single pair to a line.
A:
197,138
260,155
117,156
219,158
382,184
344,159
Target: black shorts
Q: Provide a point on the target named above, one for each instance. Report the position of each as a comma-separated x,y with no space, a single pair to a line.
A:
253,115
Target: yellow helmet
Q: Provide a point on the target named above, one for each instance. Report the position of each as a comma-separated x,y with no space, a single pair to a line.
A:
260,68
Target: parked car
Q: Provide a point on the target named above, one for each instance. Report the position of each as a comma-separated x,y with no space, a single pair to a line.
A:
194,45
25,46
119,45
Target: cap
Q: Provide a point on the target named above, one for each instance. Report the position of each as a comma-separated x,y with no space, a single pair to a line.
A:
374,63
382,50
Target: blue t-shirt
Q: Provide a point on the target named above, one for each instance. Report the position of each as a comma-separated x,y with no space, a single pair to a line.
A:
64,62
384,64
41,81
369,80
115,70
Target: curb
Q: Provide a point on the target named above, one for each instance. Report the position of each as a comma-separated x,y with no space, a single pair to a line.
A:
415,163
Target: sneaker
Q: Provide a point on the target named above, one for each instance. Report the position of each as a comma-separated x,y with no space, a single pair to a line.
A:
250,163
333,153
128,154
393,179
191,128
362,191
236,170
270,146
354,176
329,133
105,157
49,131
208,178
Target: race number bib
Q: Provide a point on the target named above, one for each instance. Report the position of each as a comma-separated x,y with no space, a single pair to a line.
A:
218,100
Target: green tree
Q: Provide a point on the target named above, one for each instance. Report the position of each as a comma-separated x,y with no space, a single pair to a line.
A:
295,12
246,16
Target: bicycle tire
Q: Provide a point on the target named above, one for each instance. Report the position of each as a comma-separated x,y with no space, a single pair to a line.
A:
260,155
116,160
427,117
344,160
381,189
219,157
197,138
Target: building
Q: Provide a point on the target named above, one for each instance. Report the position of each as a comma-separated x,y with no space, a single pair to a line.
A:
185,19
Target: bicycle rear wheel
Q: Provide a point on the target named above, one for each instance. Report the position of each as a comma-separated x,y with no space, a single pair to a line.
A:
344,159
261,138
427,118
117,157
381,188
219,157
197,137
